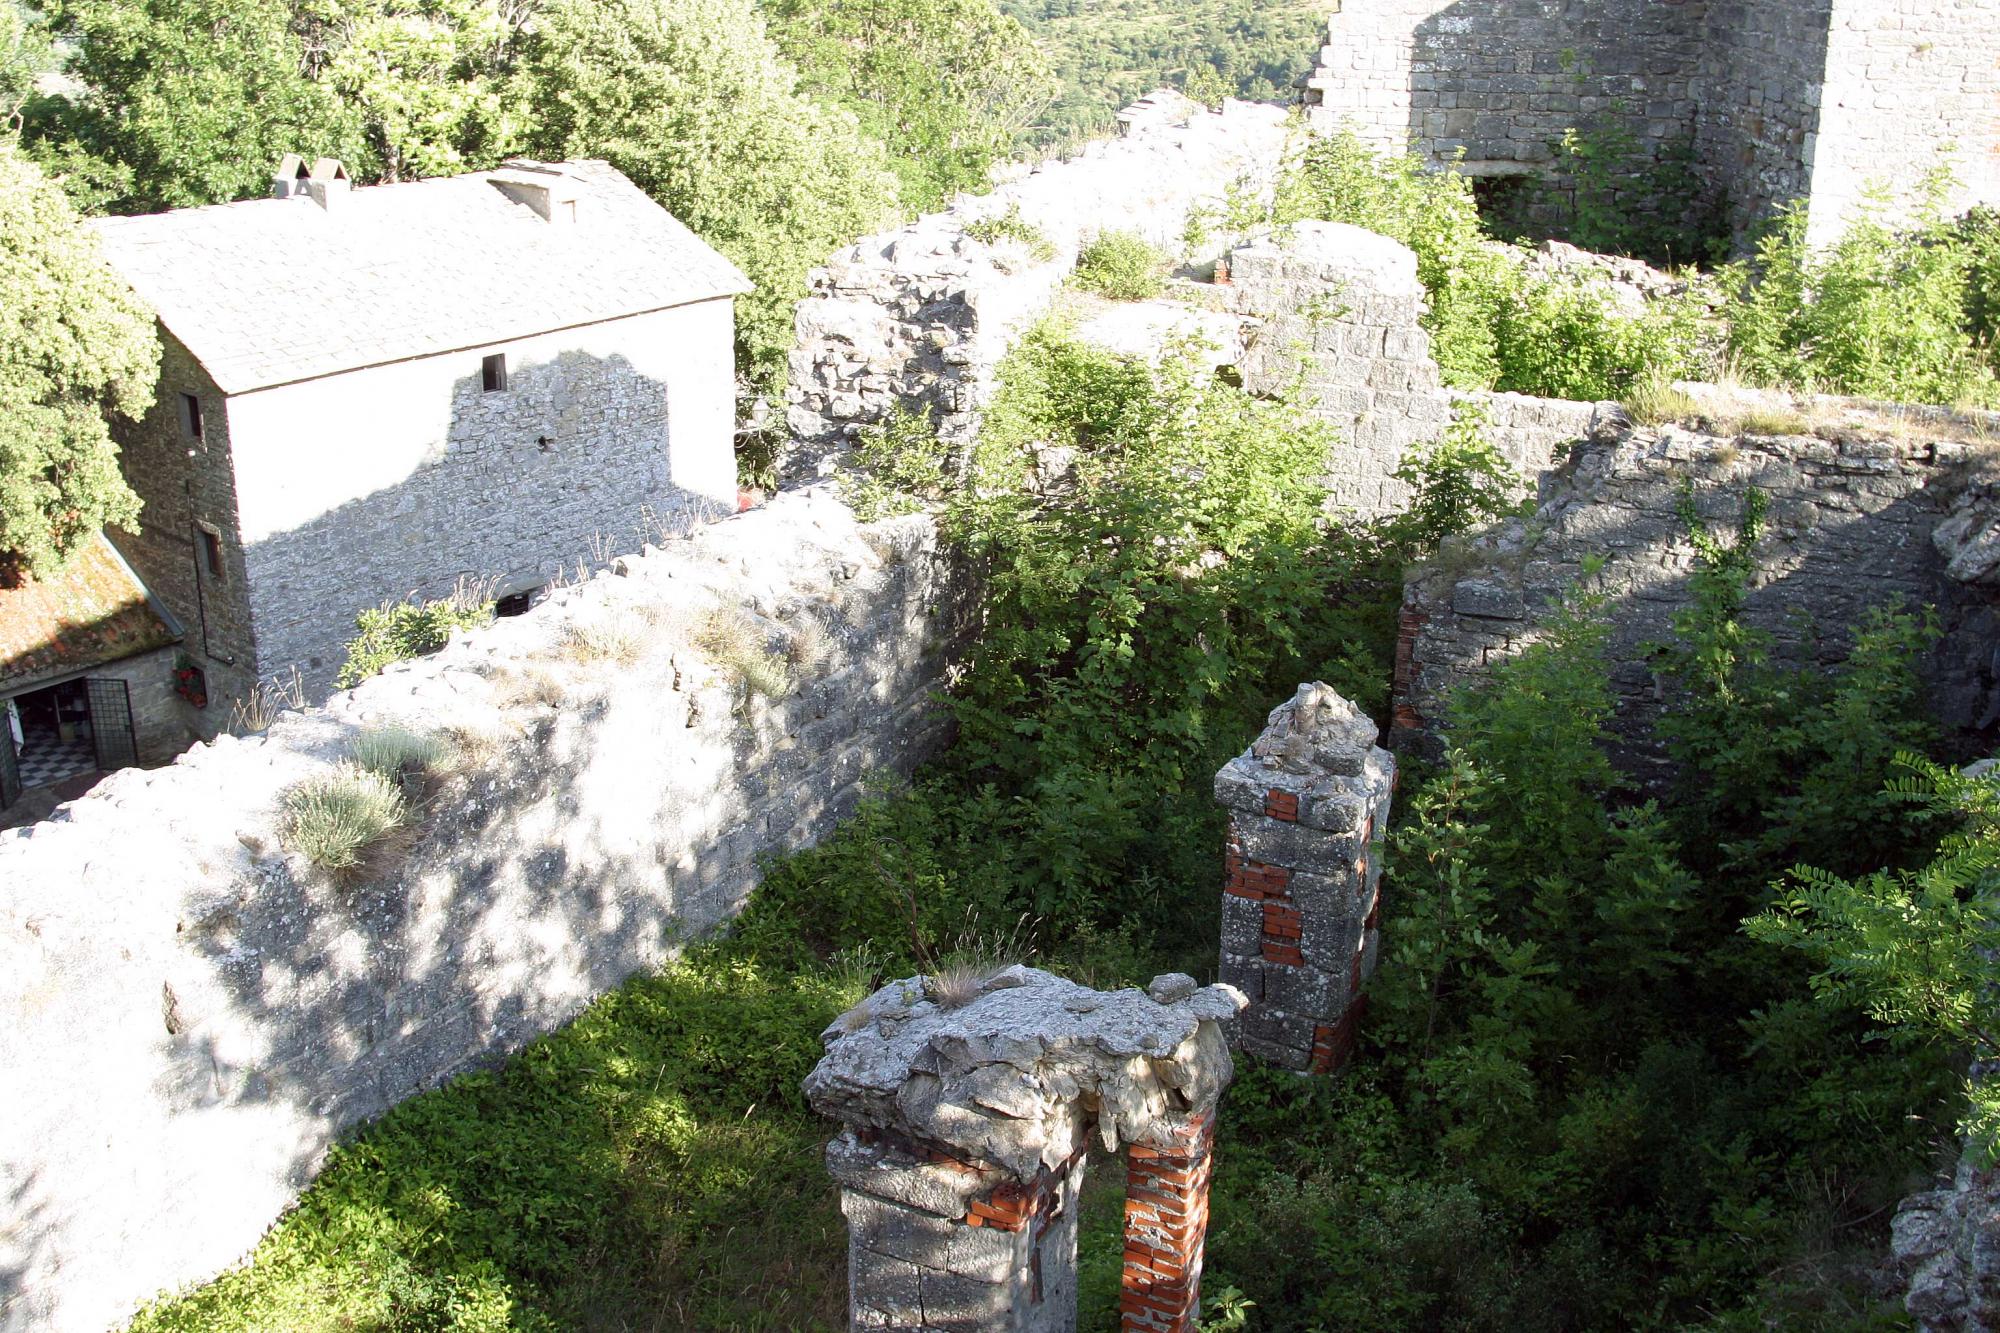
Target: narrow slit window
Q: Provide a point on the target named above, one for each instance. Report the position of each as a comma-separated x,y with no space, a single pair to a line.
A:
211,550
191,416
493,372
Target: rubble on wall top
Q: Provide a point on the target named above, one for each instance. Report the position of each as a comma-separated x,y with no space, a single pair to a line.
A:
1018,1067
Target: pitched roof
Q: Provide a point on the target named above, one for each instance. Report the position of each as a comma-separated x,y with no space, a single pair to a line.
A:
93,611
274,290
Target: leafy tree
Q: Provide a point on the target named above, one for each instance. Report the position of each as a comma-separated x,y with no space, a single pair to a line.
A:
947,85
74,343
26,53
691,100
197,99
431,79
1915,948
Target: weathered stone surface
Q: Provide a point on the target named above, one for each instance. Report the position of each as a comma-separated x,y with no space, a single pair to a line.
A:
1777,99
921,317
1947,1242
611,805
1891,508
1022,1072
1308,806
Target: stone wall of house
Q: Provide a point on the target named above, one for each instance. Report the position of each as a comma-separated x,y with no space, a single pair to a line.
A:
399,481
920,317
1340,308
1871,512
613,783
188,484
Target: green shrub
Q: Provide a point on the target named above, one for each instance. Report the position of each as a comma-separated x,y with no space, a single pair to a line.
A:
335,820
1491,326
1121,265
405,630
1012,227
1887,313
898,467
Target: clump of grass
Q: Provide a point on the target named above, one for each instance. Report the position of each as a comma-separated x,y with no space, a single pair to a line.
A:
810,644
616,637
955,985
1011,226
337,819
1656,402
396,752
1774,421
530,687
266,700
736,643
1122,266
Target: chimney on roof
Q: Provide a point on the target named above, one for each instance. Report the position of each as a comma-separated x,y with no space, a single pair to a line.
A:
548,190
290,177
328,183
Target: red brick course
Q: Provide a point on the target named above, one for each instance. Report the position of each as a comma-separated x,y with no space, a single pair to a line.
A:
1166,1224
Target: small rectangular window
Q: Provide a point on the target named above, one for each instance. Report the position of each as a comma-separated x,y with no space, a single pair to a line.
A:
191,416
211,550
493,372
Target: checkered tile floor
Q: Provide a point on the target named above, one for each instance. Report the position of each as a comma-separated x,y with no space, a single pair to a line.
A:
47,759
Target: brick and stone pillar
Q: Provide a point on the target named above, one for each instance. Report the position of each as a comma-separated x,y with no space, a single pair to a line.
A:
1308,807
1166,1224
968,1107
962,1243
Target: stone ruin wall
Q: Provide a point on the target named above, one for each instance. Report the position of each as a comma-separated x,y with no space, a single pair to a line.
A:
1338,309
1780,98
922,316
239,1012
1898,513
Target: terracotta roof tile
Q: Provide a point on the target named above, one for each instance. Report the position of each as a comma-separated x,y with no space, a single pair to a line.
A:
94,611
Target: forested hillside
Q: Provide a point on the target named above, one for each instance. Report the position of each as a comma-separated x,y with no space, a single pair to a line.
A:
1107,52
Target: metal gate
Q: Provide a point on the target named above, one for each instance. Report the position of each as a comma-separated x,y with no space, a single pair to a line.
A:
10,765
111,723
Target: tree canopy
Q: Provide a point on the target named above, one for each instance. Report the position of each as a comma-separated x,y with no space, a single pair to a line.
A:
692,101
74,343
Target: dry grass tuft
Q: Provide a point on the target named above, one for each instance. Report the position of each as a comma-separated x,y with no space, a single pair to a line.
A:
530,687
266,701
343,822
738,644
616,637
1656,403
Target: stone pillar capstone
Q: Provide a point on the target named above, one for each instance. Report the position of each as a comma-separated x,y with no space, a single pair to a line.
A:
968,1105
1308,807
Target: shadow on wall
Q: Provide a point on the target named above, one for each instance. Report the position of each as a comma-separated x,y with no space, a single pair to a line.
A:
1834,548
1501,80
529,472
618,807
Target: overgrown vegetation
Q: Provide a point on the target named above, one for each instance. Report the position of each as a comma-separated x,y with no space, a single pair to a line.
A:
1492,324
403,630
1888,312
1121,265
1587,1097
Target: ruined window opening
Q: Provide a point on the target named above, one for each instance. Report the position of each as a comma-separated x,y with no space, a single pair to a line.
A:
211,549
191,416
516,603
493,373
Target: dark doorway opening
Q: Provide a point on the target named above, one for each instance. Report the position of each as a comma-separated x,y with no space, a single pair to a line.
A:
67,729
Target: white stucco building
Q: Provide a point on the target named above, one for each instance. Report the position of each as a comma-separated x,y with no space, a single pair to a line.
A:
371,394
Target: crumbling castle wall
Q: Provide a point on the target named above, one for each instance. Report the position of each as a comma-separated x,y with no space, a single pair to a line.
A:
921,316
1780,99
1338,310
617,781
1896,512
